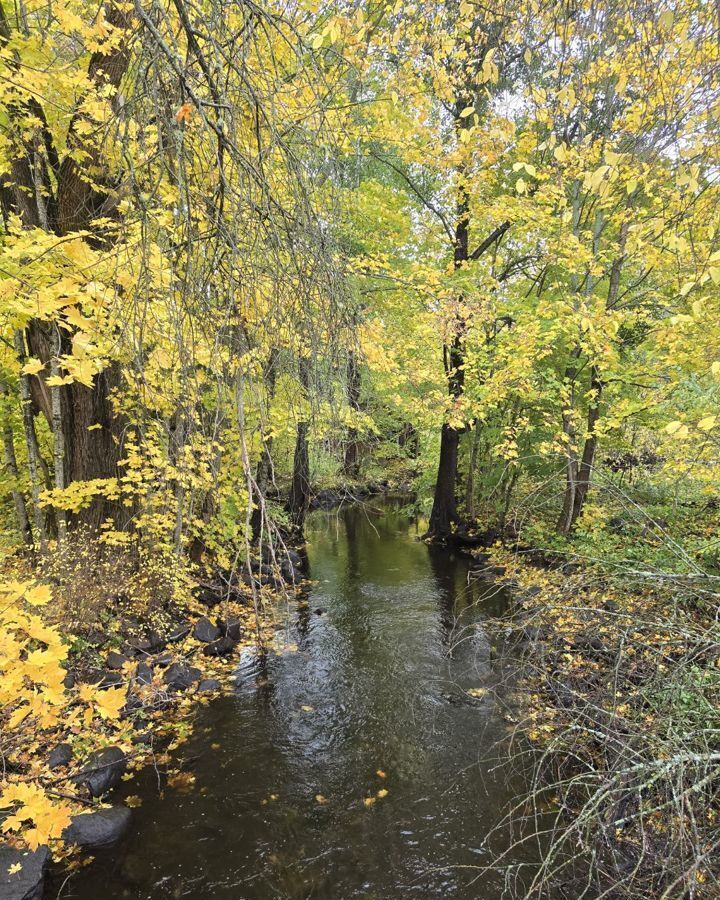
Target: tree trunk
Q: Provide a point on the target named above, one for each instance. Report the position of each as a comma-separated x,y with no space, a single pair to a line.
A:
444,510
470,482
264,474
31,443
58,440
11,465
351,463
579,476
73,205
299,499
443,517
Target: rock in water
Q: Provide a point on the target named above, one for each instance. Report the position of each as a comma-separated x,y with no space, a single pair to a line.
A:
205,631
98,829
103,771
27,882
208,685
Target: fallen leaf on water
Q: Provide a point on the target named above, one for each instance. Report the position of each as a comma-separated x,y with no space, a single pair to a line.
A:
306,708
369,801
320,798
381,774
382,793
182,781
478,692
133,801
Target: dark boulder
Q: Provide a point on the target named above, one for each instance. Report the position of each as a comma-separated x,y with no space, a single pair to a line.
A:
69,681
98,829
115,660
180,631
103,771
230,628
205,631
164,660
221,647
180,677
96,638
143,673
27,882
60,756
151,642
103,678
207,685
208,595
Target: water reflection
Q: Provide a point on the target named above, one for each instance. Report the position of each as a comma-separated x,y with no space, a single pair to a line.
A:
389,643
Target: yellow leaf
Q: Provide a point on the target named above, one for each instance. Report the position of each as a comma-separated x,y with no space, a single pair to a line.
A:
39,596
707,423
108,703
32,366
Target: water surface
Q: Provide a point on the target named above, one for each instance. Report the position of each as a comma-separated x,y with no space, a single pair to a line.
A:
388,646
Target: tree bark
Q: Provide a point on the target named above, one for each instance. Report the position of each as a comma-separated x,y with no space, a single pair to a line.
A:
11,465
264,474
351,462
579,475
31,443
73,205
443,517
299,499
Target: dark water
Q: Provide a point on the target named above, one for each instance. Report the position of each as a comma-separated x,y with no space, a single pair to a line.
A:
386,669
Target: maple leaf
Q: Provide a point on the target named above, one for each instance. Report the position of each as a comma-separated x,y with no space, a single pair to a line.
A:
39,595
109,703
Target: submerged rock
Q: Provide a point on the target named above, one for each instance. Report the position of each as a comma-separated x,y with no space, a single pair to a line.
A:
27,882
98,829
207,685
103,771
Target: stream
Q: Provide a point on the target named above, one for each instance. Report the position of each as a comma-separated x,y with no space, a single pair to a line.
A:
388,646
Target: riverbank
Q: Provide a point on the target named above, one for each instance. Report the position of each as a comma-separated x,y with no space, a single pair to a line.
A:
621,706
86,709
